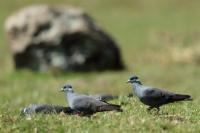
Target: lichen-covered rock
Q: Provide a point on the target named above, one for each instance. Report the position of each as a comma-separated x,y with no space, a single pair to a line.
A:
44,37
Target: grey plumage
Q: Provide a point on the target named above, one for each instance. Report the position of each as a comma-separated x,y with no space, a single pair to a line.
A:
154,97
85,104
46,109
104,97
49,108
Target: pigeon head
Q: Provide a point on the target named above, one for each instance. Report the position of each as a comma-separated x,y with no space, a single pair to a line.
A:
67,88
134,79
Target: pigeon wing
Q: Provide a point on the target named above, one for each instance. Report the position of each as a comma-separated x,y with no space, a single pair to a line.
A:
156,93
156,97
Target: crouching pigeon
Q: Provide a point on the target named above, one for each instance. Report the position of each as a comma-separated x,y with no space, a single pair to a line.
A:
86,105
46,109
154,97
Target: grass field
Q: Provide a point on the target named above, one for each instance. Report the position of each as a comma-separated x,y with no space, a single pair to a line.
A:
159,41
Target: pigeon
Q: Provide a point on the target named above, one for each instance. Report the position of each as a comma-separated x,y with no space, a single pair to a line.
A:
104,97
85,104
154,97
46,109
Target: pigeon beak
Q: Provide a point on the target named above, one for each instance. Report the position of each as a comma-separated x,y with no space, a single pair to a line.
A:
128,81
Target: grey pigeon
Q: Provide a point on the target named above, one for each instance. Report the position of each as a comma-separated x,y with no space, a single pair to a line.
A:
154,97
46,109
85,104
104,97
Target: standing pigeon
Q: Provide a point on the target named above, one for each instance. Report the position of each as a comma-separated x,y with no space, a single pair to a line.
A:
85,104
154,97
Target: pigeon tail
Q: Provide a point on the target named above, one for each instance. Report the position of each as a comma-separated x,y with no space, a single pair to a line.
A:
110,107
181,97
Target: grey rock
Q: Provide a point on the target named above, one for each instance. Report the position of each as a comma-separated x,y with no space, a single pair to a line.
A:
46,37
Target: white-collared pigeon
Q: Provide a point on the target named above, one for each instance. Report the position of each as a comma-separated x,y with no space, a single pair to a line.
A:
85,104
154,97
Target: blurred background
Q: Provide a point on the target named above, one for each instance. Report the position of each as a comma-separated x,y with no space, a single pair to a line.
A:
158,40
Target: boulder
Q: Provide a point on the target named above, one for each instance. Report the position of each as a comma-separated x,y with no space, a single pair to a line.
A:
44,37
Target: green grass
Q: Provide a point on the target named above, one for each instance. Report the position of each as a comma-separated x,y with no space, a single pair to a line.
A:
148,33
